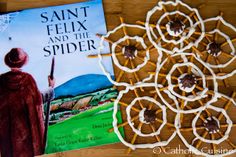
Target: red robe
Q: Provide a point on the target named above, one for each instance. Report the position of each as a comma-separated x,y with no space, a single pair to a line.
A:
21,116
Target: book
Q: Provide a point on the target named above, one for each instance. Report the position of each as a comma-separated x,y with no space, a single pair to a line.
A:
81,111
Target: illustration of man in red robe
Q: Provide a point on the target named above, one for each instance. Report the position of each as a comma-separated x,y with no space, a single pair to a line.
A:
21,110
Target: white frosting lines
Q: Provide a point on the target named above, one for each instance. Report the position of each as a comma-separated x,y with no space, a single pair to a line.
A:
214,124
228,41
125,68
181,80
132,111
195,95
182,29
130,51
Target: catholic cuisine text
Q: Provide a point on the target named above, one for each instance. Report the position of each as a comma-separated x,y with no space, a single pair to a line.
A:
179,150
67,31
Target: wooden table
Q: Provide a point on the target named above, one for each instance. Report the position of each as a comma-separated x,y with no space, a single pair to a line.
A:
131,10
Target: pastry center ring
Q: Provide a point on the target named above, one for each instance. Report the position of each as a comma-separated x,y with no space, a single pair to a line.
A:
212,125
187,82
130,52
147,116
214,49
175,27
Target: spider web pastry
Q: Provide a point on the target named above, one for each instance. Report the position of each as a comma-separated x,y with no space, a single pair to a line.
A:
190,58
211,128
217,49
145,118
186,81
169,30
131,54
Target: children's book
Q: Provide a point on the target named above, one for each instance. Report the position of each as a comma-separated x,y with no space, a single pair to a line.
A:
81,111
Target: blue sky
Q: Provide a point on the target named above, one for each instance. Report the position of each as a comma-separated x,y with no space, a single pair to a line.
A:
28,32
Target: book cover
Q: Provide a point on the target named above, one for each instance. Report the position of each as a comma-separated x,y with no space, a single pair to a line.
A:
81,109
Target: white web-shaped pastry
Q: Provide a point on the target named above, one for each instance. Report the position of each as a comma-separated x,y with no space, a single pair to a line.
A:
211,127
130,54
190,62
142,111
171,30
218,45
186,83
